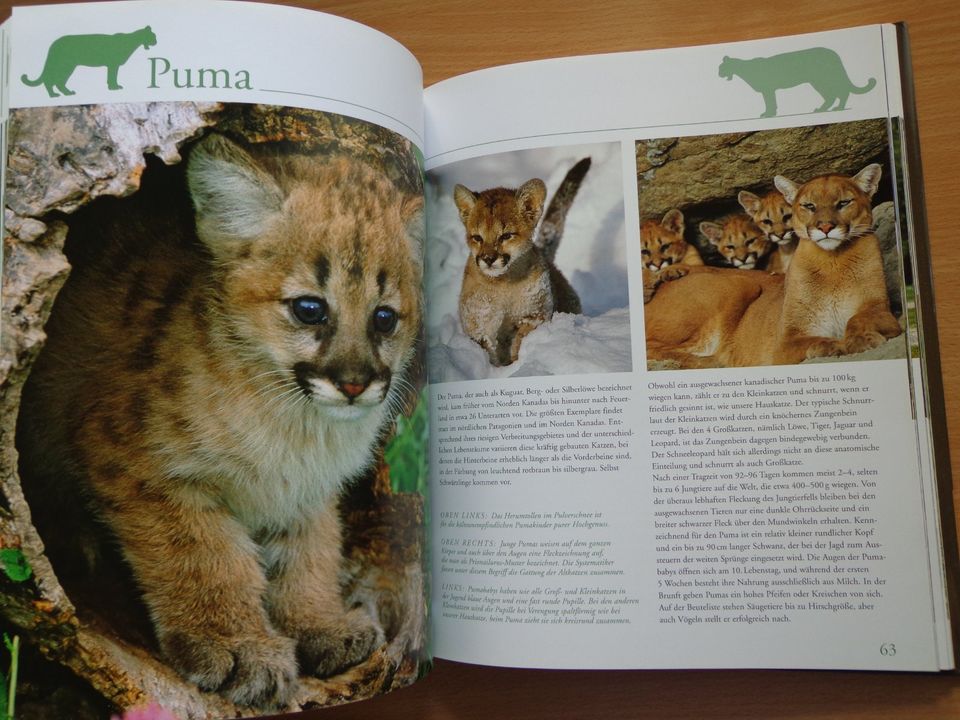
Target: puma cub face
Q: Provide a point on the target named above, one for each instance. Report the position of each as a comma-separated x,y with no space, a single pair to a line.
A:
832,210
662,243
739,241
771,213
213,391
500,226
339,311
310,292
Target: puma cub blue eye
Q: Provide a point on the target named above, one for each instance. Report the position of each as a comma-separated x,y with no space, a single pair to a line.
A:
310,310
384,320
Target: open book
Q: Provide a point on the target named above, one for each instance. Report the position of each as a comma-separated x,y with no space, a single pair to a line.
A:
620,361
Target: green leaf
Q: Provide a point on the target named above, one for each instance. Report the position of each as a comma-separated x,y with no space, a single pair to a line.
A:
15,565
406,454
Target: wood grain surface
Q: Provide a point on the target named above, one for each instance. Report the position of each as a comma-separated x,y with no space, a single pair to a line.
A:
455,36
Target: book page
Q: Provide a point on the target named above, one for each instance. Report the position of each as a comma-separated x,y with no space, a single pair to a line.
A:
212,320
668,444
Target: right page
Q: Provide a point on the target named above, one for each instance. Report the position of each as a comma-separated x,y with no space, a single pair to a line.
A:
679,395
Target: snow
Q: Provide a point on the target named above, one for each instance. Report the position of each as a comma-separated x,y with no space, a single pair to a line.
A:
592,256
567,345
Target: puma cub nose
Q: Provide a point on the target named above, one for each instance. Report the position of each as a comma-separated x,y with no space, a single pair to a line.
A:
352,389
489,259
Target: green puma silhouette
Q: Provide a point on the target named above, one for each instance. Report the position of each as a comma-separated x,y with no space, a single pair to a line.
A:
821,67
70,51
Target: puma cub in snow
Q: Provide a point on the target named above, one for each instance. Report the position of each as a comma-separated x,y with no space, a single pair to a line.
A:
510,283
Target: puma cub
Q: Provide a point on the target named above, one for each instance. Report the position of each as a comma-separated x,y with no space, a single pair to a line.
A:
663,251
831,301
212,392
662,243
738,240
772,214
510,284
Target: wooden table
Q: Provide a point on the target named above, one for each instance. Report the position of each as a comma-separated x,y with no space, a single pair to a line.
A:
455,36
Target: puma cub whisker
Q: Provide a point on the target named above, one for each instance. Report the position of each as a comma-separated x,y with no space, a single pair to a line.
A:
211,391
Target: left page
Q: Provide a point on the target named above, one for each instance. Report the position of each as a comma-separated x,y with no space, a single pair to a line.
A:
211,371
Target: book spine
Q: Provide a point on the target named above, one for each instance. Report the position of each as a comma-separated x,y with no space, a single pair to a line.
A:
929,339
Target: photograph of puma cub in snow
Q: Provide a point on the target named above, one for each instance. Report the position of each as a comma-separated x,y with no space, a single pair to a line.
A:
510,283
211,390
832,300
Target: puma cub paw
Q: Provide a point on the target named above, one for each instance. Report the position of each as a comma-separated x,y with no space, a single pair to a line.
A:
672,272
329,650
654,279
864,341
249,671
826,347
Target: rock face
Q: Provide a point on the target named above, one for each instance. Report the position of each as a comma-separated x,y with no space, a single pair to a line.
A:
703,174
60,160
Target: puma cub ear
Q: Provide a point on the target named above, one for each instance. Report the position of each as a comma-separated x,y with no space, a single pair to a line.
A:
748,201
788,188
465,200
712,231
868,179
673,222
235,199
411,215
530,197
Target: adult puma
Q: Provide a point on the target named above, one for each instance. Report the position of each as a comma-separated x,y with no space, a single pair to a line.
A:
831,301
